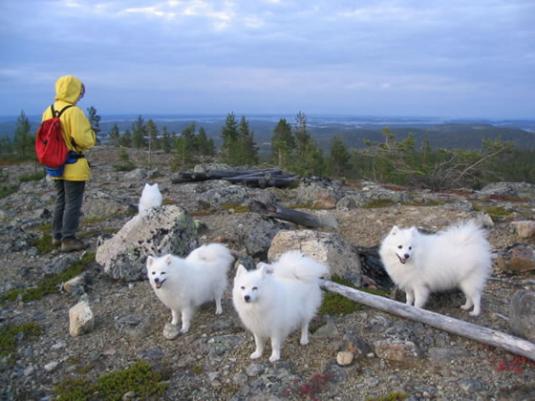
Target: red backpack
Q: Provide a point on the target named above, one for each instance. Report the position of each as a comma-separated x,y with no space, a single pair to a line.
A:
50,146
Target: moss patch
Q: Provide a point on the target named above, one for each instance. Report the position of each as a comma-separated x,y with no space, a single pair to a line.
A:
495,212
6,190
39,175
235,208
10,333
44,244
139,378
378,203
395,396
336,304
50,283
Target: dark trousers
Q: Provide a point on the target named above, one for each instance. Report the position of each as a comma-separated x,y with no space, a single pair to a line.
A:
69,196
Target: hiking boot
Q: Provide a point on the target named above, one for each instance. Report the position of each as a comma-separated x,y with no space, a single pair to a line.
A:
72,244
56,242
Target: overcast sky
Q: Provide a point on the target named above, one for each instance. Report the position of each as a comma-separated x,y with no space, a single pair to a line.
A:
454,58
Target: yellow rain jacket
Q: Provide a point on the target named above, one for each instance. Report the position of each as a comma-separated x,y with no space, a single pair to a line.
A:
79,136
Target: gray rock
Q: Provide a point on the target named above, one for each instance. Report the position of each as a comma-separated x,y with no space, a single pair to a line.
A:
168,229
522,314
444,355
520,189
171,331
137,174
75,286
101,205
328,330
327,248
317,195
344,358
396,350
136,326
51,366
254,369
470,386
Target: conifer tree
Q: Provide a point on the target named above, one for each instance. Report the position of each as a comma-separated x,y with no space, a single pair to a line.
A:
282,144
339,157
138,133
23,139
247,151
94,119
126,139
166,140
229,134
115,135
152,134
205,145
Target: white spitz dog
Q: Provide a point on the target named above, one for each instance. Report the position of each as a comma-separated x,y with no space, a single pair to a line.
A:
151,197
457,257
184,284
274,300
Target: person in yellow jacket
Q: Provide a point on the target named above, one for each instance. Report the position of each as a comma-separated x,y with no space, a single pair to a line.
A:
79,136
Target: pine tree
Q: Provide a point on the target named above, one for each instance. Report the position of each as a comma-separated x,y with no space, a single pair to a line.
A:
126,139
247,151
115,135
282,144
339,157
138,133
166,140
23,140
94,119
152,132
205,145
229,133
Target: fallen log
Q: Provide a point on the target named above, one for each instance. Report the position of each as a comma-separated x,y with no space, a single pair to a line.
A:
459,327
293,216
260,178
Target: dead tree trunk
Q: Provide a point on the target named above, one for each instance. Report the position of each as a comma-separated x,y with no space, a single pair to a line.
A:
294,216
478,333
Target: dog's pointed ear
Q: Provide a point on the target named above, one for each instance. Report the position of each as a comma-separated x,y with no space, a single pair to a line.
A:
394,230
150,261
168,259
264,268
240,270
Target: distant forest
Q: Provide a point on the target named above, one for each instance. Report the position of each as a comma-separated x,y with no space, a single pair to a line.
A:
433,156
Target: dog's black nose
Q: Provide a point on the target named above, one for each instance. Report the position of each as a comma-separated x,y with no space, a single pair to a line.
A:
247,298
156,280
406,256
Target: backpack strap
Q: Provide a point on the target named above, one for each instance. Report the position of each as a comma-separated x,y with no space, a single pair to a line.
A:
58,114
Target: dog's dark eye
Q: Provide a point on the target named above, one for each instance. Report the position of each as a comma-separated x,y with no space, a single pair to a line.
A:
255,288
410,248
399,247
243,288
153,273
162,273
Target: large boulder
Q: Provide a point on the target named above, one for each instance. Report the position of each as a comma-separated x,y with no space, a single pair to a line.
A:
318,194
371,194
522,317
168,229
327,248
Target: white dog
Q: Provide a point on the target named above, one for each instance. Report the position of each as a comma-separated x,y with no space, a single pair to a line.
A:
457,257
151,197
184,284
274,300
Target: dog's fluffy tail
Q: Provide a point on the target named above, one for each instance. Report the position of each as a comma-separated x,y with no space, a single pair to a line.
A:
211,253
295,265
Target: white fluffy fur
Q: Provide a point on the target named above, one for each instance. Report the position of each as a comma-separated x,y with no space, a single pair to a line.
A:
151,197
274,300
457,257
184,284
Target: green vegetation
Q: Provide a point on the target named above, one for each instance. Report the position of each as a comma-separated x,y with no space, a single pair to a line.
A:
10,333
336,304
38,175
238,146
394,396
6,190
139,378
125,164
49,284
191,147
495,212
378,203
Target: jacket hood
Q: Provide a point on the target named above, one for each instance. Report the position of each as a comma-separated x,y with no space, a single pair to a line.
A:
68,88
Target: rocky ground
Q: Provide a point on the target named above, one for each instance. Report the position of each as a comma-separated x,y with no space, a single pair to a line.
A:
212,361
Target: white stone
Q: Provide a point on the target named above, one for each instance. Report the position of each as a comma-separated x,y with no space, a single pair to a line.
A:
81,319
524,229
49,367
344,358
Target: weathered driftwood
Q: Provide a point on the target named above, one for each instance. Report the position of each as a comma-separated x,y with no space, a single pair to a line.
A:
294,216
478,333
261,178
